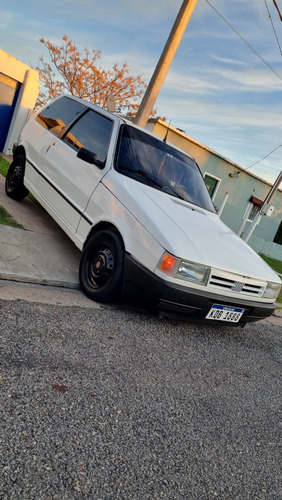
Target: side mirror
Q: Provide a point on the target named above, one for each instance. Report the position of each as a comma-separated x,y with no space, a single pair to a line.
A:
89,157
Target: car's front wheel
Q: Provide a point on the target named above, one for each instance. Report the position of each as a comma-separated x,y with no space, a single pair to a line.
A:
14,185
101,266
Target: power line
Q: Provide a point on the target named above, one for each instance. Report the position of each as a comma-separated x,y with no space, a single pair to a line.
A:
261,58
245,41
263,157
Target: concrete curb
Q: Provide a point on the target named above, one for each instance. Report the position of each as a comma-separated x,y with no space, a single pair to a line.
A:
278,312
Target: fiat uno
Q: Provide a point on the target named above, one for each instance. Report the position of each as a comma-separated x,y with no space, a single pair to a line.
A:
139,210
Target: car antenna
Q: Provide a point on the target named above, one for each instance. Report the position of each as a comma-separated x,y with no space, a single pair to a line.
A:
166,134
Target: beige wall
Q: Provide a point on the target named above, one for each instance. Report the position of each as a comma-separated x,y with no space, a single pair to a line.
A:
29,80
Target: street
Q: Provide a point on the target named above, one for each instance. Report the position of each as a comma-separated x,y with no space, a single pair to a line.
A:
114,403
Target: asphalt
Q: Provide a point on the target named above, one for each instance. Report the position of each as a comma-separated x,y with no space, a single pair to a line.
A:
40,253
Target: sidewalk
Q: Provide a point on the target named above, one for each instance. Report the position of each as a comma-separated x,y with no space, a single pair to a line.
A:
39,253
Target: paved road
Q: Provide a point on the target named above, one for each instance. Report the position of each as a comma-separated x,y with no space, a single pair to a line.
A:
115,404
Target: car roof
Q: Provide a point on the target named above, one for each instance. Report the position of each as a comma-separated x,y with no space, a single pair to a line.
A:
122,119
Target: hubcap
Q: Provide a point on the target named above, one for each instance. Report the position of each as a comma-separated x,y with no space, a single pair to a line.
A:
101,267
15,176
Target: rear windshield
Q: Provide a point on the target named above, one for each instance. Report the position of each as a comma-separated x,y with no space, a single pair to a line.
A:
155,163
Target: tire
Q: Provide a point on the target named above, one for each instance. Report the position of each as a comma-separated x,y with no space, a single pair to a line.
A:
101,267
14,185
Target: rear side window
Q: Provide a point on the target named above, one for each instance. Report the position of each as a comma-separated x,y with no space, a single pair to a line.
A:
93,132
59,114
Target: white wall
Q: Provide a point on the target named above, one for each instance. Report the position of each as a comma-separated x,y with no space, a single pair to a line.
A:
268,248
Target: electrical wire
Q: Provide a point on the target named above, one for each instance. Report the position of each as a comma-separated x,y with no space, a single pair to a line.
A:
245,41
261,58
263,157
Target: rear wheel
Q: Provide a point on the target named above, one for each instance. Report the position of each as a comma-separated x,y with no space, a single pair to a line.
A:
101,266
14,185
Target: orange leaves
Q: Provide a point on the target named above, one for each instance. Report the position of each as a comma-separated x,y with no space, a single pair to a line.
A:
77,73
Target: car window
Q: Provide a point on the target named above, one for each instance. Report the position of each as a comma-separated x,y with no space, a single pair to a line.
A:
153,162
59,114
93,132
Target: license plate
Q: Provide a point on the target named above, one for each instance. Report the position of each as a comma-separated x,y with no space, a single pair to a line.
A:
225,313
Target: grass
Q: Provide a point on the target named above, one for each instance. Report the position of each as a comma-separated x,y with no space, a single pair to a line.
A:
4,167
276,265
7,220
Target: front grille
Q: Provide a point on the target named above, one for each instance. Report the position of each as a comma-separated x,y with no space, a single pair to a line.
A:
242,286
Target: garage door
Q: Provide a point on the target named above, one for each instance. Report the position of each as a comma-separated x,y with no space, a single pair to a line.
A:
9,90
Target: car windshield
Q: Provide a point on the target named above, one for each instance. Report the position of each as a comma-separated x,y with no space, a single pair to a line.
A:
157,164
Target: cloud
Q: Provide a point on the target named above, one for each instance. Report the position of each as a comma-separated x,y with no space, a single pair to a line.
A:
127,14
227,61
187,85
224,115
5,19
250,80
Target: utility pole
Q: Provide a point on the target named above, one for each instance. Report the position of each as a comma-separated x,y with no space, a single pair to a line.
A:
264,209
279,13
164,63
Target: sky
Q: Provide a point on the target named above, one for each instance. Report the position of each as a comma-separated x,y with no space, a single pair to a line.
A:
224,87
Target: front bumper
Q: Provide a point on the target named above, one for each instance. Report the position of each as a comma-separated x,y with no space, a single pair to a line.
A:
179,302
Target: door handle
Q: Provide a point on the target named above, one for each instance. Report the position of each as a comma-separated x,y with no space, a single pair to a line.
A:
49,147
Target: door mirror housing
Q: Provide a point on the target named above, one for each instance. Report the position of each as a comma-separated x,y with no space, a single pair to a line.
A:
90,157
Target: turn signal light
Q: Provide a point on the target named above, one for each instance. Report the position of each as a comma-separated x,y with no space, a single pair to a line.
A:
167,264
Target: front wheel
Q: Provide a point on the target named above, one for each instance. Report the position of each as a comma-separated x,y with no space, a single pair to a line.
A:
14,185
101,267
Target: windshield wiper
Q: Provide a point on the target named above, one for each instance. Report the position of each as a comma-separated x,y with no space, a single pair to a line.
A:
143,175
169,190
148,178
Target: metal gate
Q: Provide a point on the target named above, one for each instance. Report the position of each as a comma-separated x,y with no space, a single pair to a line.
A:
9,90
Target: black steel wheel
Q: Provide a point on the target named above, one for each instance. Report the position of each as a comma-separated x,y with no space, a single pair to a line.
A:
101,266
14,185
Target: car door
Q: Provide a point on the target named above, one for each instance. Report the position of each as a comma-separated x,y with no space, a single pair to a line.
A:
40,132
68,181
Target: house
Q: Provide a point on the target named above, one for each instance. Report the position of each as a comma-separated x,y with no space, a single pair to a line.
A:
19,88
236,193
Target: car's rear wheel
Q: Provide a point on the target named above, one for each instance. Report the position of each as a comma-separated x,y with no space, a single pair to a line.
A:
101,266
14,185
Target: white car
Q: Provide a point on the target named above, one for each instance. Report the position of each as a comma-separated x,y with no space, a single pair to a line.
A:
139,210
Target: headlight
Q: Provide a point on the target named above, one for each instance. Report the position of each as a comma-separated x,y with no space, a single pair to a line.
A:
193,272
272,291
183,269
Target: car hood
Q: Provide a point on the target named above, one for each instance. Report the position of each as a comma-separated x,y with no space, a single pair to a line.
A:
187,231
